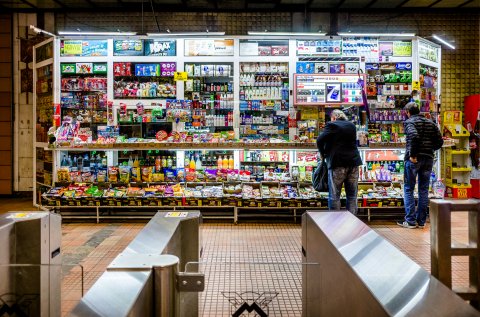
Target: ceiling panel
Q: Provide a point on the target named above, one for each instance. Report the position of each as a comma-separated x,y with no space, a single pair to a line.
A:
386,4
418,3
75,4
293,1
473,4
448,4
15,5
355,4
324,4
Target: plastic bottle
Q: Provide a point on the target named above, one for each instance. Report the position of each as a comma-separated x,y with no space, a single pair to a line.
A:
64,161
230,162
198,164
169,162
130,161
225,162
187,162
219,162
164,161
158,164
135,162
192,163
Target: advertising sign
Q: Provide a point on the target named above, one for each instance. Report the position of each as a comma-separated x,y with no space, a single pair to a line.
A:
263,48
319,47
428,51
386,48
128,47
402,48
209,47
360,46
84,48
160,48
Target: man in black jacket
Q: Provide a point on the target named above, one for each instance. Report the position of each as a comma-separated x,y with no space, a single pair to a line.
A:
338,145
423,139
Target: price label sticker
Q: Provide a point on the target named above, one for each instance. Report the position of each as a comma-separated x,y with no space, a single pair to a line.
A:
180,76
416,85
176,214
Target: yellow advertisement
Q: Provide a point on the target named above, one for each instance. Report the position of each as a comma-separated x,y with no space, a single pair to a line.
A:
402,48
72,48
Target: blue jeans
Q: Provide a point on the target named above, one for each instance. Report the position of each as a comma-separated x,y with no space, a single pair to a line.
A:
422,169
338,176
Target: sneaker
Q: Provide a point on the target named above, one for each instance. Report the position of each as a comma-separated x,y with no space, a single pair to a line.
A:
421,226
406,225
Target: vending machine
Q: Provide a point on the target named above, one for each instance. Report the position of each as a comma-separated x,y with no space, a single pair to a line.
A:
472,123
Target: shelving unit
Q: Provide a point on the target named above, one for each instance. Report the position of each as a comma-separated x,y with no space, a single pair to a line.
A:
258,95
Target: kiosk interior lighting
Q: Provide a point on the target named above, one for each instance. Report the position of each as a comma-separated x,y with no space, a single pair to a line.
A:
443,41
266,33
40,31
377,34
171,34
82,33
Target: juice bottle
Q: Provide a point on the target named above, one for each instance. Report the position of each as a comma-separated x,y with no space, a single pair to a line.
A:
169,162
158,164
135,162
164,161
230,162
219,163
225,162
192,162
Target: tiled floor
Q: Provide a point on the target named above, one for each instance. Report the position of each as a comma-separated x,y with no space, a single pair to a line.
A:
228,252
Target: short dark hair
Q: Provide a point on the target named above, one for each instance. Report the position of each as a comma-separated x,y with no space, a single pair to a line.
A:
412,108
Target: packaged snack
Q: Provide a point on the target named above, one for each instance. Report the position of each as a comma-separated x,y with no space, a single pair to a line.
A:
76,177
124,172
135,177
88,177
244,176
102,176
146,174
63,174
170,175
180,174
158,177
113,174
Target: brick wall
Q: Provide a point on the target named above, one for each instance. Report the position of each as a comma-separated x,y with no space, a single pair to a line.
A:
6,86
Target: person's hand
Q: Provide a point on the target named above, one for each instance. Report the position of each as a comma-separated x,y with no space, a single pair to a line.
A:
413,160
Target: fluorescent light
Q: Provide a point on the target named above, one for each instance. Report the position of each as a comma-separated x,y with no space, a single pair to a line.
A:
286,33
173,34
81,33
377,34
443,41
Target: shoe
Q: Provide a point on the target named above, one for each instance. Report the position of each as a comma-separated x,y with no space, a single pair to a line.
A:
406,225
421,226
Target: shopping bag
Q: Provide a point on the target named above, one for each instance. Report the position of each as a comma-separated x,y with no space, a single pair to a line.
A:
320,177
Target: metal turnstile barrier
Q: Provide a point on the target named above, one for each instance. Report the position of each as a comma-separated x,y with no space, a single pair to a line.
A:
145,279
30,263
362,274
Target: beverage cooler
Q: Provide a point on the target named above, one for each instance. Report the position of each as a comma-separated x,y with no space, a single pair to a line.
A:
472,123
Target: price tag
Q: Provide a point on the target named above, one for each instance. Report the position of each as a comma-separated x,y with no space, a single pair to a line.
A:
180,76
176,214
415,85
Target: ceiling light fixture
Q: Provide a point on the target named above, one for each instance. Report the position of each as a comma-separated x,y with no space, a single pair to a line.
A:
40,31
173,34
81,33
443,41
266,33
377,34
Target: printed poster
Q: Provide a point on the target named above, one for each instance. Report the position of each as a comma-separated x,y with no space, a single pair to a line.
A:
386,48
160,48
128,47
209,47
84,48
319,47
402,49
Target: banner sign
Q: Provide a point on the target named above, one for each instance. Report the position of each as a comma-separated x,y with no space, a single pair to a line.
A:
319,47
402,49
128,47
84,48
209,47
160,48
